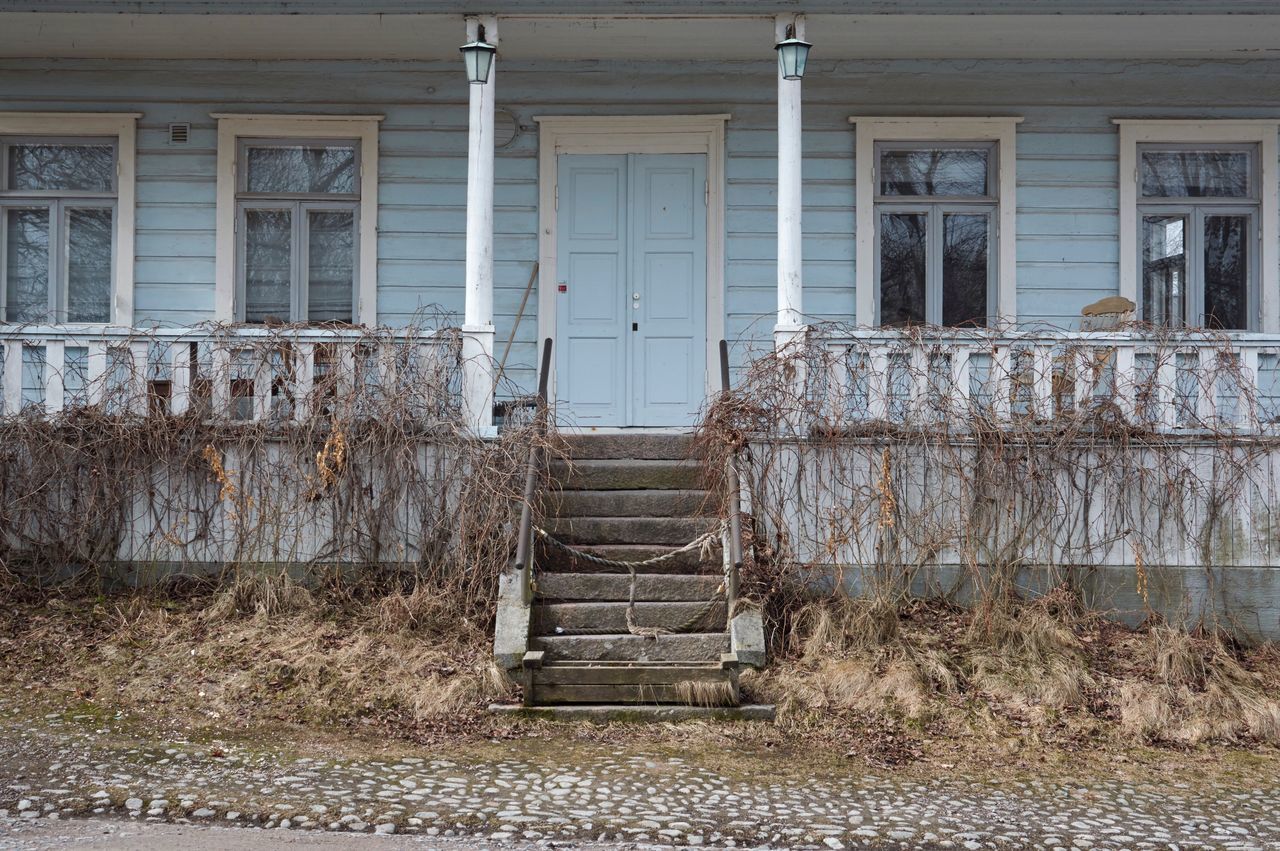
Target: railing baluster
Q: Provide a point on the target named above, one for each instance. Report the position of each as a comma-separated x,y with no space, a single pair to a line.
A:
1247,388
262,375
1166,389
13,376
349,389
139,350
55,362
1082,362
220,380
1207,386
918,381
1125,377
304,386
95,372
1003,381
180,385
961,380
1042,381
878,384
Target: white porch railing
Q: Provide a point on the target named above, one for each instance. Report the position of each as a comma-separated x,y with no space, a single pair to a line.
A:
247,374
1180,383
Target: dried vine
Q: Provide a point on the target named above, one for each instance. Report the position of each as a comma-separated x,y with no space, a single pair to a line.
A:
380,471
939,491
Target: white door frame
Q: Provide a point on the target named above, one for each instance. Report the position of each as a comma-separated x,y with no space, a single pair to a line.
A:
632,134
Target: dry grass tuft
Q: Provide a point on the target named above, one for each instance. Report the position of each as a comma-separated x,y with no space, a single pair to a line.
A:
852,654
703,693
265,648
1029,654
258,594
1201,689
1045,666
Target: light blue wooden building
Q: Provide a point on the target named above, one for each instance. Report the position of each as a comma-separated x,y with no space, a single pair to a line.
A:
641,170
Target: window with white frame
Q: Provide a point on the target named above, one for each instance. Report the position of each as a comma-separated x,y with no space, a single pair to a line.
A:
297,212
935,213
936,206
297,219
58,218
1200,222
1198,206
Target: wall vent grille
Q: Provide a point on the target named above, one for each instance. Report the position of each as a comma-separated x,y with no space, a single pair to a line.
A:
179,134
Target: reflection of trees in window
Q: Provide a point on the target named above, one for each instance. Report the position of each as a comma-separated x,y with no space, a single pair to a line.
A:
75,168
299,205
935,217
27,266
308,170
89,237
965,278
1226,275
903,268
1195,174
947,173
59,219
1199,221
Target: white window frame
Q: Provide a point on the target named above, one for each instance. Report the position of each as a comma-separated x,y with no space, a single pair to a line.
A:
872,130
123,128
1265,133
232,127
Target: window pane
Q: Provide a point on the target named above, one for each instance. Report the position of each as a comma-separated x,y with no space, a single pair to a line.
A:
1195,174
1226,272
902,268
72,168
330,265
965,247
1164,269
934,172
268,265
89,233
311,169
27,265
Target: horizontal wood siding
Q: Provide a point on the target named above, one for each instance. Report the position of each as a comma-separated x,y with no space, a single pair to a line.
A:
1067,164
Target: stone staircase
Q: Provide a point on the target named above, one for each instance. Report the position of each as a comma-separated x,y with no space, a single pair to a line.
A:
631,498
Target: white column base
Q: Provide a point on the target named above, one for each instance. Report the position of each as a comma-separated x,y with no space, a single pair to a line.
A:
478,379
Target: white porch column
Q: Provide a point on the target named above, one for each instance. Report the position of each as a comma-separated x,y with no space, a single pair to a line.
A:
477,327
790,290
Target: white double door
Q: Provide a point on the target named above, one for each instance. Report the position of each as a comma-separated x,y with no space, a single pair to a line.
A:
631,299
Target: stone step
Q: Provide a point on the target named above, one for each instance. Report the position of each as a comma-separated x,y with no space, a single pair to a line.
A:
630,503
552,559
722,691
685,647
617,474
615,587
611,713
669,531
600,618
630,446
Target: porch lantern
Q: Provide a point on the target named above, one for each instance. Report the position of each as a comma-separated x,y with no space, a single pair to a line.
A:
478,56
793,54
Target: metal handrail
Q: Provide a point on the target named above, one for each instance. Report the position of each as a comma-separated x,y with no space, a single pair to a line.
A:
523,564
735,500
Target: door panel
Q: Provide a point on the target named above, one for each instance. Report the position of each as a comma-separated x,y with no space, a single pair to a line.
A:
631,322
591,357
669,274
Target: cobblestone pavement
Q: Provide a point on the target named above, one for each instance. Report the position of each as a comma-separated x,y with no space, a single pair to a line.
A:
66,767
